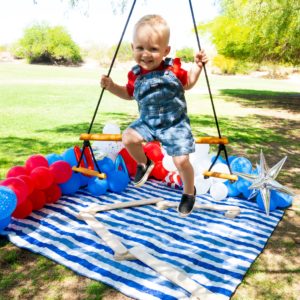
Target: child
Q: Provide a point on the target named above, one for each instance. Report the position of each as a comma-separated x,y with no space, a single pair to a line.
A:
158,85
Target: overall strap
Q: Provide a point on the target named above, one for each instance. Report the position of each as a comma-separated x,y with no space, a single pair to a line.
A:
136,70
168,62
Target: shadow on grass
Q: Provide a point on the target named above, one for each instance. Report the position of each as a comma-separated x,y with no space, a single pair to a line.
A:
279,263
265,99
19,147
15,150
122,119
277,137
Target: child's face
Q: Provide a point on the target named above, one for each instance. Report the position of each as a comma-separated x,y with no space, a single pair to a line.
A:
150,46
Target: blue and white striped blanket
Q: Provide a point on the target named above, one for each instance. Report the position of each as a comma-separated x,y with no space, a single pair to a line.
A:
214,251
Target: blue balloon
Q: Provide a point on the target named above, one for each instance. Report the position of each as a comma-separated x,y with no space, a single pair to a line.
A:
260,203
72,185
53,157
243,187
256,171
232,189
117,181
97,187
242,165
8,202
106,165
4,222
219,160
84,180
69,156
231,158
121,166
283,200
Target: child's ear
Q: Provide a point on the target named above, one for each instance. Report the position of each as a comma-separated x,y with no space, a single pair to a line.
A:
131,46
167,51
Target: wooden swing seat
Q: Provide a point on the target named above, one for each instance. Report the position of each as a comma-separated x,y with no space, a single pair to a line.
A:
118,138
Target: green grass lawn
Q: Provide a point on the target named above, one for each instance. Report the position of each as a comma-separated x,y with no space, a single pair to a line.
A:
45,108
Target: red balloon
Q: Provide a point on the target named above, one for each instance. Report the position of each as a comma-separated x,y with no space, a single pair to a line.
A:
129,162
27,179
53,193
18,186
23,210
35,161
159,172
153,151
61,170
38,199
17,171
42,178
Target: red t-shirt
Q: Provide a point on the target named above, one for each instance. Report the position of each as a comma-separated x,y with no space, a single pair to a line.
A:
180,73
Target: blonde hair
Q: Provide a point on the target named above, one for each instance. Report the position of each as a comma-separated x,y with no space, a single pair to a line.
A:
154,21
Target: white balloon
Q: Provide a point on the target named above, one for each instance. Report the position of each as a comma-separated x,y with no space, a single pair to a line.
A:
202,166
107,148
100,145
201,150
218,191
111,128
202,185
168,163
221,168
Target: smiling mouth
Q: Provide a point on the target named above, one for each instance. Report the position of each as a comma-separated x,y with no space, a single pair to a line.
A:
147,61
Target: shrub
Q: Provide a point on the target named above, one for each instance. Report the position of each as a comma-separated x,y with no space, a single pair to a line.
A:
43,44
185,54
224,64
124,53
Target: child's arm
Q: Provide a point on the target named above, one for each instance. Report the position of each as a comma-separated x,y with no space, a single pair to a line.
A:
118,90
195,71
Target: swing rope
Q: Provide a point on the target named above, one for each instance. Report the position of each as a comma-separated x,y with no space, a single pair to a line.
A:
86,143
221,146
112,64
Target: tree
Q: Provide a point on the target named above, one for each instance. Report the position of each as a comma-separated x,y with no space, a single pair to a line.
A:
42,43
258,30
117,5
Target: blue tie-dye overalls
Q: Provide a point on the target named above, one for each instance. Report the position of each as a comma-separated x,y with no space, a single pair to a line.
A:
163,111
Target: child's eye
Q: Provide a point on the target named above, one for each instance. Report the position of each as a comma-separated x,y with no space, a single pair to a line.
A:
154,49
139,48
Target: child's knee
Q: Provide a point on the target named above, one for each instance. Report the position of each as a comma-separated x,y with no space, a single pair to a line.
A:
130,137
181,162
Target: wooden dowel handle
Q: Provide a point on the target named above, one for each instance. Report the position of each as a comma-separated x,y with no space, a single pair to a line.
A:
101,137
220,175
211,140
89,172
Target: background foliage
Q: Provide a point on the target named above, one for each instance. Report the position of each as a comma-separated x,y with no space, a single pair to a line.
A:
258,30
44,44
186,54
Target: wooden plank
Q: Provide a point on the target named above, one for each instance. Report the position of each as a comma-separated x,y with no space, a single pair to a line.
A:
175,275
120,251
230,210
95,208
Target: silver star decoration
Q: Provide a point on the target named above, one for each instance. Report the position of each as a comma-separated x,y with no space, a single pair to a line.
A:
265,181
